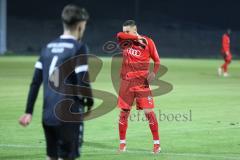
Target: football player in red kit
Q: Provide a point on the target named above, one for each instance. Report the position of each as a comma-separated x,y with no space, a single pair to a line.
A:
135,79
226,53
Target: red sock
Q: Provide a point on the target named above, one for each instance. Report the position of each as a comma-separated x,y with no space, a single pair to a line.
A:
123,125
225,67
153,124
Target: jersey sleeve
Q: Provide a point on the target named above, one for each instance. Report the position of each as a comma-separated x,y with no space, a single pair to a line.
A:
154,55
39,63
82,62
34,86
123,36
81,69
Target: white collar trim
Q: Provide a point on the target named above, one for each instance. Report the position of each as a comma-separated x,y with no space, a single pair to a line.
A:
65,36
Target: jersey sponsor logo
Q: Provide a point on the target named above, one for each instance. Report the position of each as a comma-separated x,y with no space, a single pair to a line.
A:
59,47
57,50
133,52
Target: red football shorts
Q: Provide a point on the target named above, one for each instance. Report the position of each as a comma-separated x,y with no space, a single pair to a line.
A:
135,89
227,58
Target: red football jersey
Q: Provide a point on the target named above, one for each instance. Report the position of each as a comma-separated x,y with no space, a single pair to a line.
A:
136,56
225,43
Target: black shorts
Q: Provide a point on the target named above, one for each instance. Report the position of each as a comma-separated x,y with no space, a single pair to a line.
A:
62,141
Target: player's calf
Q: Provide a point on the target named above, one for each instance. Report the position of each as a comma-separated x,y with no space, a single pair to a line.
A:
123,125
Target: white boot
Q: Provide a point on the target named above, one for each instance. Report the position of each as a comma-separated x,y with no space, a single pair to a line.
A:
220,72
225,74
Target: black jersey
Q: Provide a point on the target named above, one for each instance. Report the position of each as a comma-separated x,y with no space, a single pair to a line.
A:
53,55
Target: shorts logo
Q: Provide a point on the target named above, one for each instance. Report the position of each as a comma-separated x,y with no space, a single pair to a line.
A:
150,99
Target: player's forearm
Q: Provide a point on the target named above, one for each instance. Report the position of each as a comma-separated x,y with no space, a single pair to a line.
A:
156,67
32,96
84,81
33,92
156,60
124,36
154,55
85,93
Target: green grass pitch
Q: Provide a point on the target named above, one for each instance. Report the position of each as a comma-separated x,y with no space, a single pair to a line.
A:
212,134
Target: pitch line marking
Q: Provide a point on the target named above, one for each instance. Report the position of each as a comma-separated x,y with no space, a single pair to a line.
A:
112,151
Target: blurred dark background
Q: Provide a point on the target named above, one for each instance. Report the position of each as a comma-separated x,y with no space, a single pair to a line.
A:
180,28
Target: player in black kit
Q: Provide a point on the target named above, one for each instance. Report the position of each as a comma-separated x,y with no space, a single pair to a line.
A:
62,138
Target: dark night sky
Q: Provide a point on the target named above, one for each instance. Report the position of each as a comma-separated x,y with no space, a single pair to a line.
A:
214,13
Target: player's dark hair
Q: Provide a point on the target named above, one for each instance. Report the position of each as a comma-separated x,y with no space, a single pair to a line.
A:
129,23
72,14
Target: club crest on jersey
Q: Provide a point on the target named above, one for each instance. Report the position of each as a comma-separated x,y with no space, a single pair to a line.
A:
133,52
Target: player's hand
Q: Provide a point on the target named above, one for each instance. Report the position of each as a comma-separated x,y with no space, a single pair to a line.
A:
25,119
151,77
88,102
139,37
227,53
142,39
